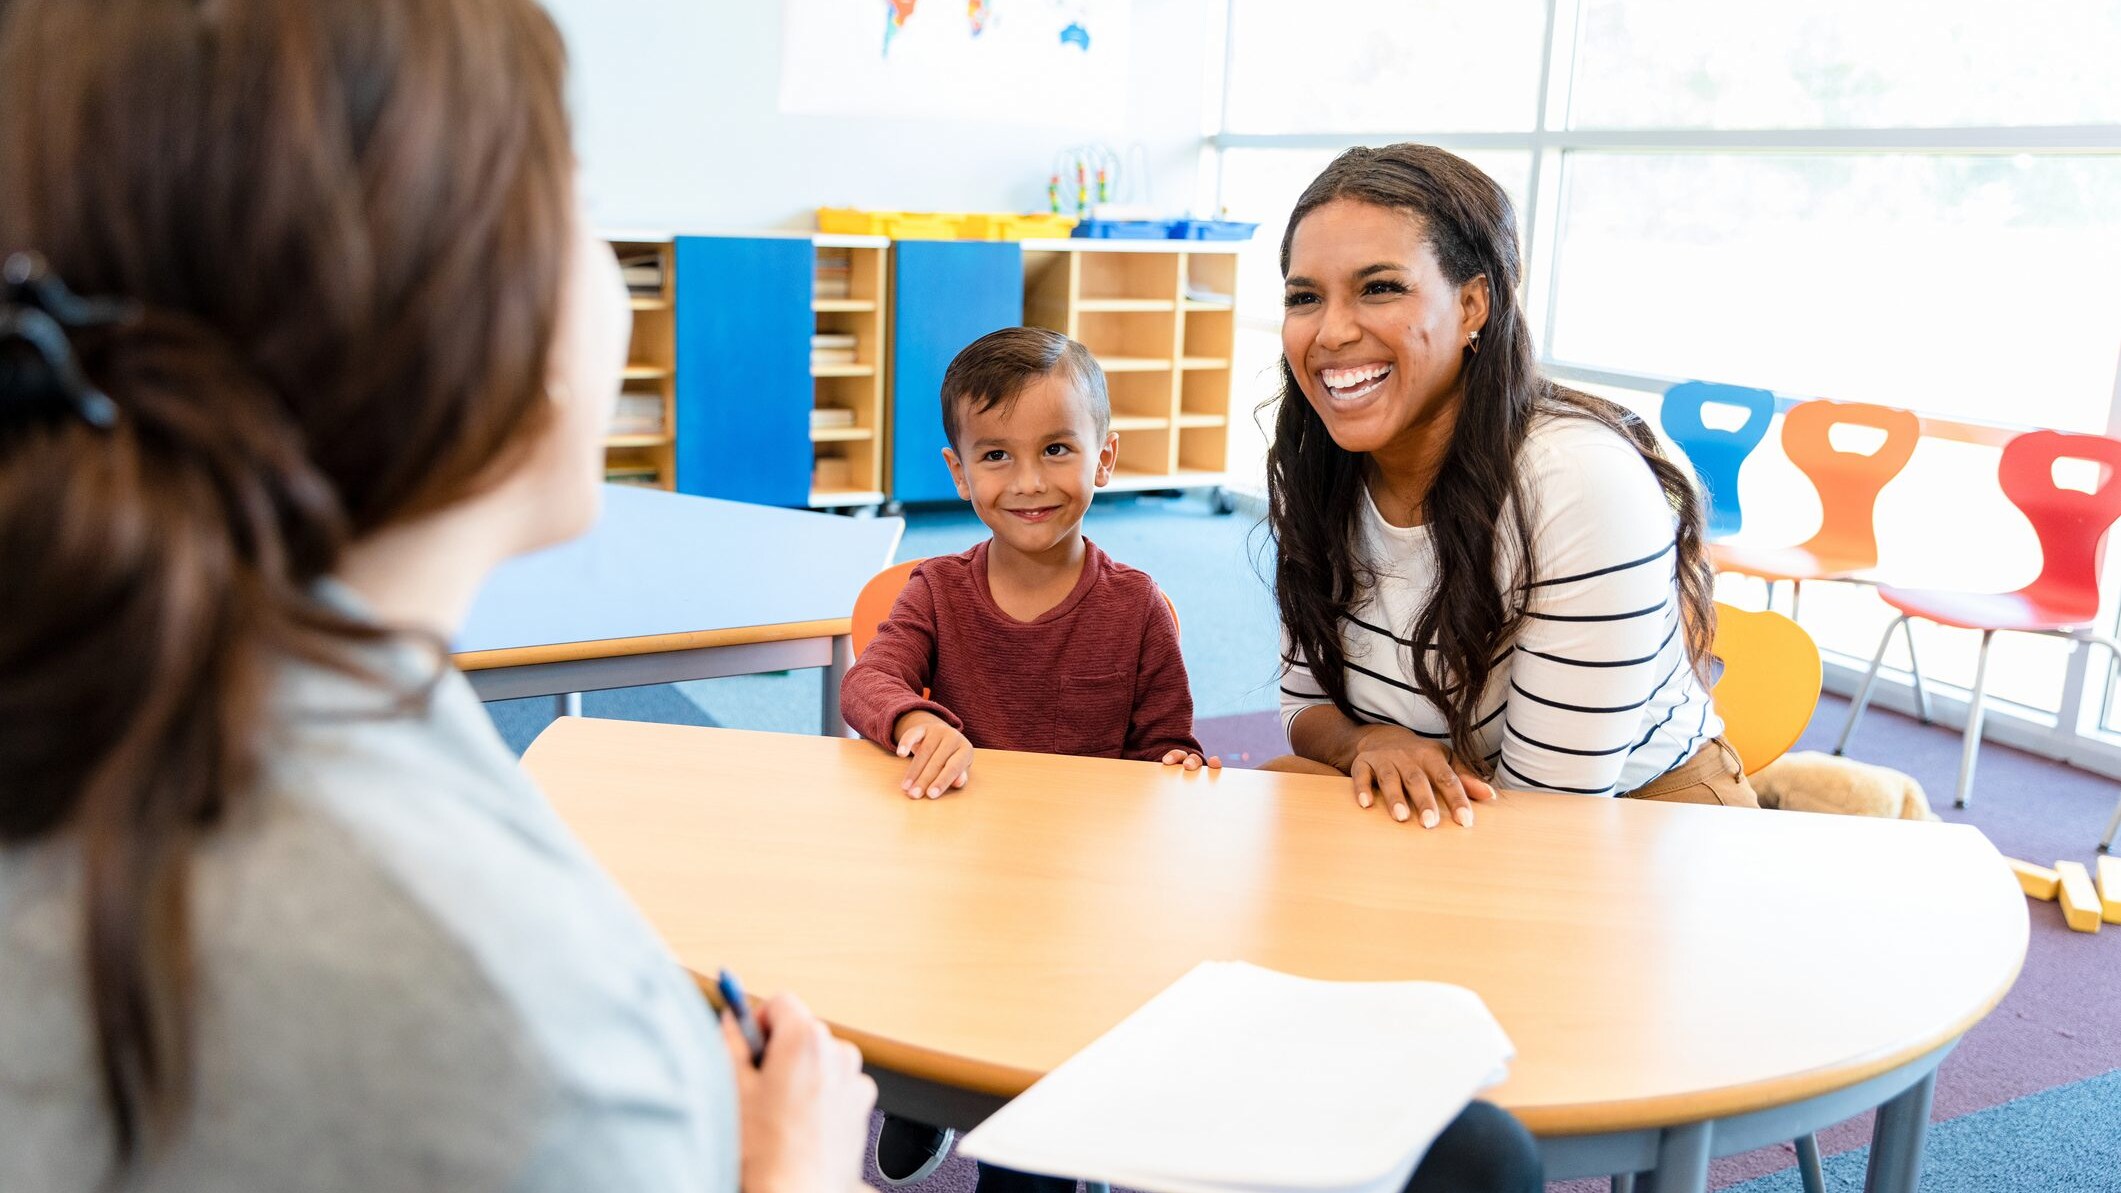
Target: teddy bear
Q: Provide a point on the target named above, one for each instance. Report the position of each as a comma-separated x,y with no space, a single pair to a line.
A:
1809,781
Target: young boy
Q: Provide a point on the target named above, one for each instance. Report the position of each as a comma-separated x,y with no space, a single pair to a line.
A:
1033,640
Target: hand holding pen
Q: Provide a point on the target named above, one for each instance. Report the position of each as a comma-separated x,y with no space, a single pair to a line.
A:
803,1101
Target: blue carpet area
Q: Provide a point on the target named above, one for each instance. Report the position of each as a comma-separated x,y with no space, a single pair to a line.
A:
2066,1138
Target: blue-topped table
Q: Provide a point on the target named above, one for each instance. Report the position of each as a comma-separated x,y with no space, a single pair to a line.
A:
667,587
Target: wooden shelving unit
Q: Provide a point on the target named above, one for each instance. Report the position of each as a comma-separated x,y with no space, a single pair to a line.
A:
1161,320
847,465
641,446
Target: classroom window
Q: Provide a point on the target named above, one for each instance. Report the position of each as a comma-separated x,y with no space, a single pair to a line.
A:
1374,65
1977,287
1831,64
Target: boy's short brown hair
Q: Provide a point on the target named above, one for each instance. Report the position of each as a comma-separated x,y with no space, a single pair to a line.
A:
995,368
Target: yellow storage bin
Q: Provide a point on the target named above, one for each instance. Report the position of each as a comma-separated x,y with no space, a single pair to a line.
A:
942,225
898,225
1003,226
852,221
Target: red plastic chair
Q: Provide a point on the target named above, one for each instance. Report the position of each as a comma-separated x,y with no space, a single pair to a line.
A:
2062,601
1848,483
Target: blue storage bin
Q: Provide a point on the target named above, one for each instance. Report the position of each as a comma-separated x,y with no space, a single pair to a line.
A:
1125,230
1212,230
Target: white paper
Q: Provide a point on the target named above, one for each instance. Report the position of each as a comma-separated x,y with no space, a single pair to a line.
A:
1238,1078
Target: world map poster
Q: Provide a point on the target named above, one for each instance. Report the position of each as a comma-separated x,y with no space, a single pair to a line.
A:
1047,62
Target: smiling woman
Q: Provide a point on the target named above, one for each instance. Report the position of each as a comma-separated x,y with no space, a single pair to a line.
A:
1482,576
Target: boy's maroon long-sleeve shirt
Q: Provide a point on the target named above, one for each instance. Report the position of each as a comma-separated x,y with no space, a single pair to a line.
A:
1098,674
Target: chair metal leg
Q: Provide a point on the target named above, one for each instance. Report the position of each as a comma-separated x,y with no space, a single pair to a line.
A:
1863,693
1914,668
1623,1182
1971,750
1796,591
2106,843
1809,1168
567,704
1096,1187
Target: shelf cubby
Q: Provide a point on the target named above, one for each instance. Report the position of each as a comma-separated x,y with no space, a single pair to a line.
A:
638,449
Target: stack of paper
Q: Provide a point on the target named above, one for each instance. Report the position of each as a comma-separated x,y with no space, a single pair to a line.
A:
833,348
1239,1079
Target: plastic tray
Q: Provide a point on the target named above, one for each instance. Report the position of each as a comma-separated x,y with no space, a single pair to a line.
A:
1212,230
1125,230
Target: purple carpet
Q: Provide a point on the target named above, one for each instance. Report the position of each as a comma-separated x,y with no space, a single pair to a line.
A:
2060,1023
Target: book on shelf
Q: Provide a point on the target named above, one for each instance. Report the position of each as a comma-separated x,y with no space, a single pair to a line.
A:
831,416
1238,1079
834,356
834,276
643,273
643,475
638,414
833,339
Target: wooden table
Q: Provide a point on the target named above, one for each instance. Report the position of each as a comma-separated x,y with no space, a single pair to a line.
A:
668,587
1681,982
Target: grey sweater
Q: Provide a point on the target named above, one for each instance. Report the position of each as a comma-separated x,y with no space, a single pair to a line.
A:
410,977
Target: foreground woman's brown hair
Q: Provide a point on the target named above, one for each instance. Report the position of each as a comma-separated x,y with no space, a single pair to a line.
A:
340,227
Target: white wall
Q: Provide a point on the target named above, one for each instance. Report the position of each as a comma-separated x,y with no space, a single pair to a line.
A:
676,108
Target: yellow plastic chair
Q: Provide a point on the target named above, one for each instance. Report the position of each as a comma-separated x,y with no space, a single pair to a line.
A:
872,606
1769,685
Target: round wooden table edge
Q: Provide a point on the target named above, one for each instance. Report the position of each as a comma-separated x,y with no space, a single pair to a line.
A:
1007,1081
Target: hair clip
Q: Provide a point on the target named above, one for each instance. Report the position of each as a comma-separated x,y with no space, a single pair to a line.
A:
37,311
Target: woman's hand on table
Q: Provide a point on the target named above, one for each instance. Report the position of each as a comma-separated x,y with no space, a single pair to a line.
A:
804,1111
1415,778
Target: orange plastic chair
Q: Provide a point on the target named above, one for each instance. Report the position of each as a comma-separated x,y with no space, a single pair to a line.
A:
872,606
2062,601
1848,483
1769,686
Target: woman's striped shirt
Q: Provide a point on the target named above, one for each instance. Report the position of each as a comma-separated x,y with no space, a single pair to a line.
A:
1595,696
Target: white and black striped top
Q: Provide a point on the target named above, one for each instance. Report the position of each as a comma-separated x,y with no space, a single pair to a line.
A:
1596,696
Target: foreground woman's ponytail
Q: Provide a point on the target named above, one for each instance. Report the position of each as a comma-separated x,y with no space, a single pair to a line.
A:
296,279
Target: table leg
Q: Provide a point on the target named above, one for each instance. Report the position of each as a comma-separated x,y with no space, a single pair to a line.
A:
1898,1137
831,723
1682,1161
567,704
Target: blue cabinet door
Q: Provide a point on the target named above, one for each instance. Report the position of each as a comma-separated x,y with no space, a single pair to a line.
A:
743,370
945,295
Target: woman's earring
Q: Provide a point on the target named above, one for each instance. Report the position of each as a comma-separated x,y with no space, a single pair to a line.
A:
1473,342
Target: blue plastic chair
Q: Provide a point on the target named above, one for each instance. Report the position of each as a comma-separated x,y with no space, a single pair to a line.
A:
1715,454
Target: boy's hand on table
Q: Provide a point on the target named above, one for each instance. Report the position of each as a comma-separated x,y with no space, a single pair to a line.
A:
942,757
1192,761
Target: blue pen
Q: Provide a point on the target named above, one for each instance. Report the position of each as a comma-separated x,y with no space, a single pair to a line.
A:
732,992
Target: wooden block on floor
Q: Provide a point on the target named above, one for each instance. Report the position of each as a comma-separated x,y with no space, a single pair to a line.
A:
2038,881
2110,889
2080,904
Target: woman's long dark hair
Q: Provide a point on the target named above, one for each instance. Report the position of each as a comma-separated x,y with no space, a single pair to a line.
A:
1475,509
341,226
